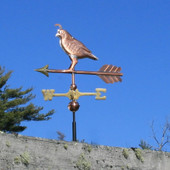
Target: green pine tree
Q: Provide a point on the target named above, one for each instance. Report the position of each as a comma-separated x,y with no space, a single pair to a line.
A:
15,106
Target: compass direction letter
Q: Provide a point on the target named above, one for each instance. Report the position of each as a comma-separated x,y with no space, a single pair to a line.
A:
48,94
98,94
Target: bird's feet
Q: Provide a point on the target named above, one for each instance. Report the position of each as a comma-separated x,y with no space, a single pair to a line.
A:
73,64
69,70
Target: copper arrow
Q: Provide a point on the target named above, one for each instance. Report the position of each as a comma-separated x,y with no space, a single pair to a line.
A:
108,73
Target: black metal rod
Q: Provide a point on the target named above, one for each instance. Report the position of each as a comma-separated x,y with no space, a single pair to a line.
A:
74,127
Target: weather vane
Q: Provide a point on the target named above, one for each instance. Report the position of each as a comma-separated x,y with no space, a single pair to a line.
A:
77,50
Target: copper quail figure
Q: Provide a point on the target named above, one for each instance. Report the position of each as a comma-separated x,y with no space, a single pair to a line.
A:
74,48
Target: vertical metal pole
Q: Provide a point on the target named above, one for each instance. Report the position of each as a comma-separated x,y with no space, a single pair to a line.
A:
73,79
73,85
74,127
74,109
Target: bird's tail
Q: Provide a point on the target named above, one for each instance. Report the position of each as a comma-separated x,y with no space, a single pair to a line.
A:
93,57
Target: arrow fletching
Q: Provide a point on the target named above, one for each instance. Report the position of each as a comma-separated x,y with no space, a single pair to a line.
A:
110,69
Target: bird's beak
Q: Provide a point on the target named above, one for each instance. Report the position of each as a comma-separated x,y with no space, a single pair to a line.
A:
57,35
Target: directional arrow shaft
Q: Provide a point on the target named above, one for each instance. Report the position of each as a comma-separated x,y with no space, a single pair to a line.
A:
85,72
72,95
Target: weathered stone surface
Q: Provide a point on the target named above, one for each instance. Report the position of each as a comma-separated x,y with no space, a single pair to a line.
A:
28,153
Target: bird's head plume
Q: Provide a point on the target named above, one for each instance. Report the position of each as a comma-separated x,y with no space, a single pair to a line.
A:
59,32
62,33
60,27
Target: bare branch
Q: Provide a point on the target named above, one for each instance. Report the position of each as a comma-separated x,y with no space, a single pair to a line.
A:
154,134
165,138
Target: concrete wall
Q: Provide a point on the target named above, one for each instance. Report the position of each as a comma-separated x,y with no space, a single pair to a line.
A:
23,153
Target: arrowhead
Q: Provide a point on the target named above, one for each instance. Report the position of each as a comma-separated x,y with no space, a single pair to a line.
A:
43,70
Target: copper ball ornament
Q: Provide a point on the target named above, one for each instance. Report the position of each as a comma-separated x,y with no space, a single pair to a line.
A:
73,106
73,87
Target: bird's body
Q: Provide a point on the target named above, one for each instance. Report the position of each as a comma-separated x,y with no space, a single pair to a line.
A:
74,48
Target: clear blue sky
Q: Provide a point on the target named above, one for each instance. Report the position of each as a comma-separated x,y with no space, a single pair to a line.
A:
133,34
